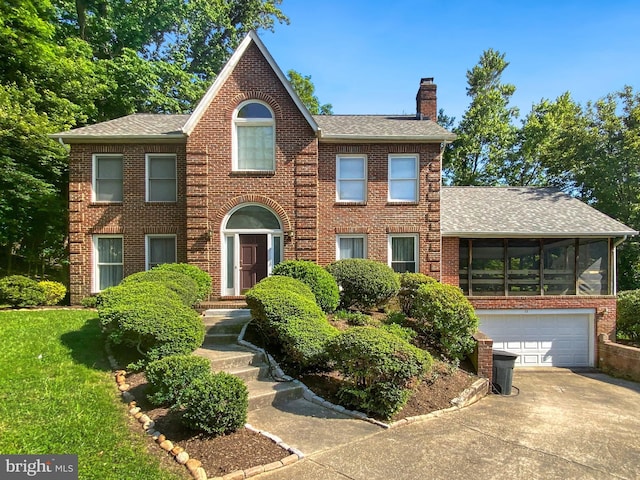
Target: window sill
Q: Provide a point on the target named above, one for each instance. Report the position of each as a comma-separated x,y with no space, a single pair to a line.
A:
104,204
161,203
402,202
253,173
350,204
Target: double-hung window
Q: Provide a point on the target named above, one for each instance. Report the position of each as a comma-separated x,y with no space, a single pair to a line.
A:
107,178
254,142
403,252
403,178
161,177
160,249
351,178
351,246
108,261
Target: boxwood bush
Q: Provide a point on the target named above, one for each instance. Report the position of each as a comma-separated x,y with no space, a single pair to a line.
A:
202,278
54,292
409,284
20,291
365,283
628,320
184,286
445,319
151,318
216,404
321,282
169,376
379,368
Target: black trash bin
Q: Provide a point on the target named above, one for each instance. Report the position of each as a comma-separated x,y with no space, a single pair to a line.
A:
503,363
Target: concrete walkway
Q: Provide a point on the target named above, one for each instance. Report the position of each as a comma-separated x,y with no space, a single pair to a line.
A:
561,425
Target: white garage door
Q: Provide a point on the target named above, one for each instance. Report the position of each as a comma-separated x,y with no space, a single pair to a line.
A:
558,338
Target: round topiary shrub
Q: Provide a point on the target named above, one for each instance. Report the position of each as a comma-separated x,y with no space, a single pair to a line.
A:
321,282
169,376
202,278
365,283
54,292
184,286
20,291
151,318
409,284
445,319
379,368
263,299
628,316
216,404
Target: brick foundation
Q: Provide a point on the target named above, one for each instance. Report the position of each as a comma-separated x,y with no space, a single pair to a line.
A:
482,356
618,360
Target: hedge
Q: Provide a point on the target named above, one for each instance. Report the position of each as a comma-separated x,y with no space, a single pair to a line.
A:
20,291
169,376
365,283
321,282
202,278
184,286
628,320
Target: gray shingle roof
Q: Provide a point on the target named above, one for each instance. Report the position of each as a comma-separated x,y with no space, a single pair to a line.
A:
137,125
522,211
380,127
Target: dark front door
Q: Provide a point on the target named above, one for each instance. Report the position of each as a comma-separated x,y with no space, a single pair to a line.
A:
253,260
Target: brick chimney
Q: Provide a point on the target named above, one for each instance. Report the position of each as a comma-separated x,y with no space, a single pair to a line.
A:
426,100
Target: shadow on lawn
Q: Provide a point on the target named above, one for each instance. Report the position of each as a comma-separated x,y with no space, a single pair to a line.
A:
87,346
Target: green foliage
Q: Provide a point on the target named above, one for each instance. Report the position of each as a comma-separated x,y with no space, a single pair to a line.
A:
628,316
20,291
185,287
446,319
89,302
305,89
399,318
379,367
405,333
216,403
202,278
54,292
169,376
285,310
357,319
409,283
322,284
365,283
151,318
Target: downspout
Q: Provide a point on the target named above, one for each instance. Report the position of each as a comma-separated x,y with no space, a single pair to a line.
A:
64,145
615,264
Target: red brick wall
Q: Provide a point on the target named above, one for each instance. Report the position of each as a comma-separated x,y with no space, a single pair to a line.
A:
450,260
133,217
619,360
378,218
482,356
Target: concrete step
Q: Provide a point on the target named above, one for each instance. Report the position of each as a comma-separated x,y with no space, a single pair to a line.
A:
263,393
228,357
220,339
259,372
228,313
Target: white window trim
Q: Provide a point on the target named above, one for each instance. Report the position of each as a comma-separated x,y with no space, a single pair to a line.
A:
147,239
415,178
364,243
416,249
251,122
364,180
94,178
95,281
147,172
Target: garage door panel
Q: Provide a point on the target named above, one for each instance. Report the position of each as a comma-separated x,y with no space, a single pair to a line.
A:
541,338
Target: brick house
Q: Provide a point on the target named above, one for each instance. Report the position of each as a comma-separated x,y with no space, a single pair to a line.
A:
252,178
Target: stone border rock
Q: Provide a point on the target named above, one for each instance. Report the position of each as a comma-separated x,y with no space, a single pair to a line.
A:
475,392
179,454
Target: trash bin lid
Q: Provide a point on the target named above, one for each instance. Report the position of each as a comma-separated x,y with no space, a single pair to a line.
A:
503,353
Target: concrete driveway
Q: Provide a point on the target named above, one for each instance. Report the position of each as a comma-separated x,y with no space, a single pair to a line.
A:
561,424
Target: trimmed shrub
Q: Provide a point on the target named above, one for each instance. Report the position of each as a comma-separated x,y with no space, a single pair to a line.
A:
184,286
405,333
321,282
285,310
445,318
409,284
365,283
89,302
151,318
355,319
216,404
202,278
169,376
628,319
54,292
20,291
380,368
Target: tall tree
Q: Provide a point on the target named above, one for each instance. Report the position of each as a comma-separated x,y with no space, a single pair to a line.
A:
485,133
305,89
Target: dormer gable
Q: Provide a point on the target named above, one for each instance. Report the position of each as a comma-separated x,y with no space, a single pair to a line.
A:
250,39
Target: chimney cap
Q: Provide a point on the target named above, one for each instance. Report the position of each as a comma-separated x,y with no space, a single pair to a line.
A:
426,81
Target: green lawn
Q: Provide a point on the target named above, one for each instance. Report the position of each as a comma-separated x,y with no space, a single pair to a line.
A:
57,396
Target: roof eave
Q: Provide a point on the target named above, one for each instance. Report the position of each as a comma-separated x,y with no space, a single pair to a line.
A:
539,235
161,138
385,138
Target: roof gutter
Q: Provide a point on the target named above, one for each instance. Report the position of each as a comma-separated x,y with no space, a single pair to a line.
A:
384,138
117,138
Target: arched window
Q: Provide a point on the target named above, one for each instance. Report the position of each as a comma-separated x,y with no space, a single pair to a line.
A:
254,142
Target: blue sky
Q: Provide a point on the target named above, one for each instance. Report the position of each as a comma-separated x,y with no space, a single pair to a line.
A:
367,56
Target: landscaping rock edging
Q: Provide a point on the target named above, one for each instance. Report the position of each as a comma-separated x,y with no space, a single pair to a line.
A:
475,392
179,454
